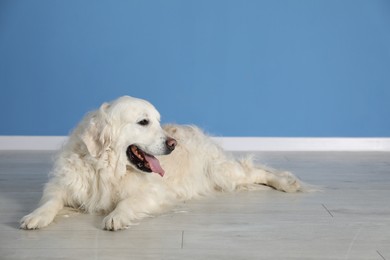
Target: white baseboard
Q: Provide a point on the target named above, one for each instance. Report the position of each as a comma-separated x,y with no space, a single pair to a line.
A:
304,144
40,143
229,143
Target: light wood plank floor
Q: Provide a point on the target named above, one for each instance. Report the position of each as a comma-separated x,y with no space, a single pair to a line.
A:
349,219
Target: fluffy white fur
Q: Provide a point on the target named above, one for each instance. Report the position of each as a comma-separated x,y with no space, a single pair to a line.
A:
93,172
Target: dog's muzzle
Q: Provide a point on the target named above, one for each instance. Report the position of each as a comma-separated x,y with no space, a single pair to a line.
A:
147,162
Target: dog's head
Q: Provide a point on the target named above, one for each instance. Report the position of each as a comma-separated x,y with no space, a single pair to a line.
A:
128,132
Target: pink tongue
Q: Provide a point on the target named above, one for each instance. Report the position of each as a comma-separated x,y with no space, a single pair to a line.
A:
154,164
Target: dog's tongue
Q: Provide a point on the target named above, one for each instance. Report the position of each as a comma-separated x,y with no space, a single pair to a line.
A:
154,164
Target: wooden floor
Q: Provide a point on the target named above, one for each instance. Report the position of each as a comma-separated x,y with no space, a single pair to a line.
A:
349,219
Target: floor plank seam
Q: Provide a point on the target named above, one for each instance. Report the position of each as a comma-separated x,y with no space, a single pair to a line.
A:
182,239
330,213
377,251
352,243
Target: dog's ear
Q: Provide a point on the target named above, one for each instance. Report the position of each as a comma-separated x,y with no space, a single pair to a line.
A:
97,131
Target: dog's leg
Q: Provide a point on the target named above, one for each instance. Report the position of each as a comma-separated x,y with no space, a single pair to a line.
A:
282,181
243,174
279,180
120,217
142,204
51,203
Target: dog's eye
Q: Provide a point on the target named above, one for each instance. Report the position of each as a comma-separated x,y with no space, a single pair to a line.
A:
143,122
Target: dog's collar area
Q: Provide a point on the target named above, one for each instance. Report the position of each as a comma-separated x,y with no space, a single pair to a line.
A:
143,161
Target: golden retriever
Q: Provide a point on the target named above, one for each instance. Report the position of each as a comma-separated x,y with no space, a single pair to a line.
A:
120,162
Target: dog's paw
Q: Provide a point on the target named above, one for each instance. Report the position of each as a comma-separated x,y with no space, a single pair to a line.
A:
35,221
116,221
289,182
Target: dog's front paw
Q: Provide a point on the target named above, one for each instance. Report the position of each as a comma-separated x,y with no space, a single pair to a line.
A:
35,221
116,221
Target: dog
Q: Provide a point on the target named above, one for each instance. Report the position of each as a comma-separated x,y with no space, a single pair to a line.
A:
119,161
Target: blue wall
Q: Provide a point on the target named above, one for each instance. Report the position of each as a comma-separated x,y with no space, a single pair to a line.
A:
236,68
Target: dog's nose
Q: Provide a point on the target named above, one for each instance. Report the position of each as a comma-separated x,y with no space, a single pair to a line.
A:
171,143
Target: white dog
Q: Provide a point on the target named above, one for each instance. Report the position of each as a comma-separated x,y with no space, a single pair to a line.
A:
108,166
